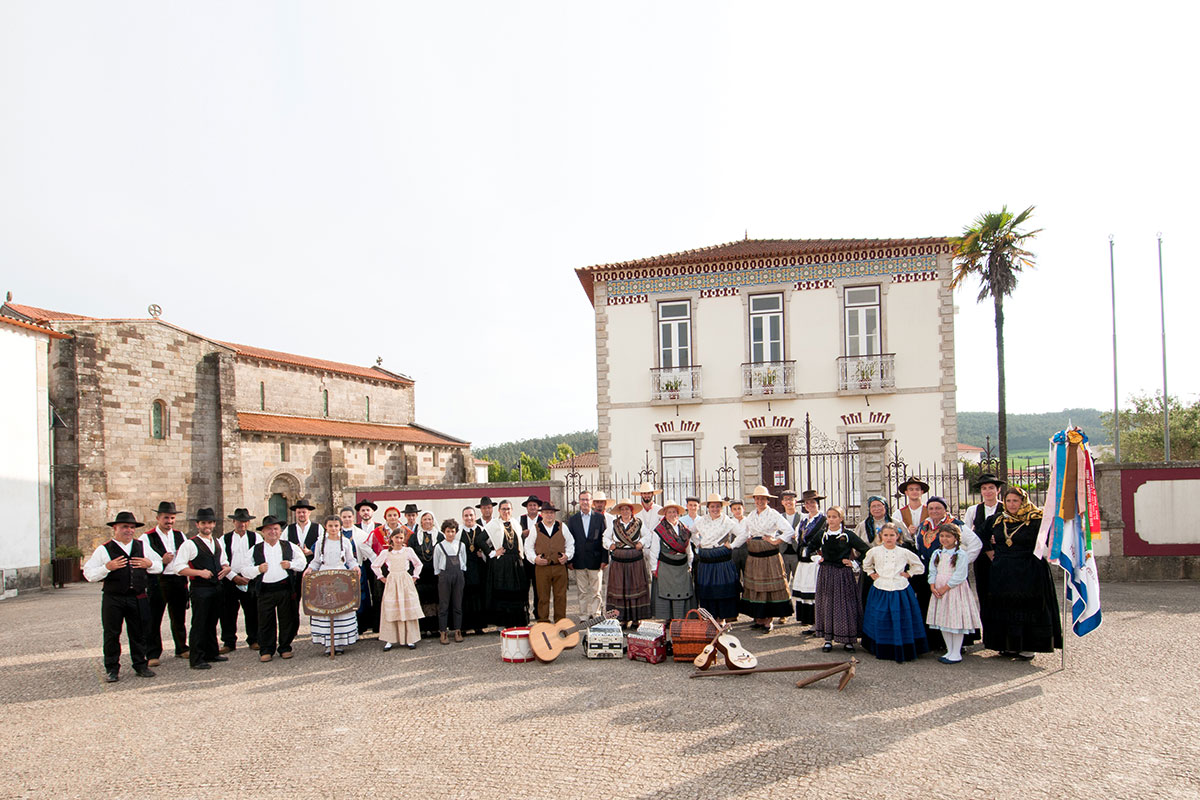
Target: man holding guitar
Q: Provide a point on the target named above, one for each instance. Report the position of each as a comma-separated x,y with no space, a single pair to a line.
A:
549,549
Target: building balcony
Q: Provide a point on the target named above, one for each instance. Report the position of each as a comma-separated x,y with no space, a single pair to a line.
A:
675,385
768,378
867,374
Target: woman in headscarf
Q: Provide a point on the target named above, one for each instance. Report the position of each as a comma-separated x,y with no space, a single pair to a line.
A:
422,542
1022,609
880,513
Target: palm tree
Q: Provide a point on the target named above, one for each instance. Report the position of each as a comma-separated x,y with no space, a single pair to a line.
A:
993,247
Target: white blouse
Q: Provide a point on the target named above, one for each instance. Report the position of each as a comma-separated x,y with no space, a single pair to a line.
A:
333,554
713,532
889,564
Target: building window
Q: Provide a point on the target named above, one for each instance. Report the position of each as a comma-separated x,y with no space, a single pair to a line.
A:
283,451
325,402
862,321
262,396
158,420
679,467
766,328
370,456
674,335
368,399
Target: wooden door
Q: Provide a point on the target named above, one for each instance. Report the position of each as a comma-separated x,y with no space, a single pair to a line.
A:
776,472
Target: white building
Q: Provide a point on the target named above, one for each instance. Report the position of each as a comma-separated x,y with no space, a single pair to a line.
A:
703,353
25,443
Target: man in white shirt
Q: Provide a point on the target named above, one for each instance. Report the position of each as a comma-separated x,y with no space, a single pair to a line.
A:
235,589
979,520
303,533
204,563
649,512
124,565
599,503
168,591
549,548
586,529
914,513
270,565
485,506
410,513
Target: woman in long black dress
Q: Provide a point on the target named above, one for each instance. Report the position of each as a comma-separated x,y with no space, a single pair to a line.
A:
1022,609
507,586
422,542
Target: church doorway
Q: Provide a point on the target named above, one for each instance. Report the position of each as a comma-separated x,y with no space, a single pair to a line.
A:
277,506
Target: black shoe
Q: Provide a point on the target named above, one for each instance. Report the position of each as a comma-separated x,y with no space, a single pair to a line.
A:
412,647
827,647
219,658
201,665
111,677
339,651
144,672
849,648
810,632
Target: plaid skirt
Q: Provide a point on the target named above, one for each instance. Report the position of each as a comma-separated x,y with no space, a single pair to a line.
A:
838,608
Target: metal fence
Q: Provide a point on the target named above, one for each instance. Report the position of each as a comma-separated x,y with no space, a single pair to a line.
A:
617,487
956,481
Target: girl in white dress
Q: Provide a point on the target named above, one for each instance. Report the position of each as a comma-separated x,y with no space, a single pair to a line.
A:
953,607
334,551
400,609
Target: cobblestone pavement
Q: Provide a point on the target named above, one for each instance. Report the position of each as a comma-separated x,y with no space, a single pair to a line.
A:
454,721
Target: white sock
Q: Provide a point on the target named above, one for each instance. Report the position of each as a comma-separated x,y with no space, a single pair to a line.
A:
953,646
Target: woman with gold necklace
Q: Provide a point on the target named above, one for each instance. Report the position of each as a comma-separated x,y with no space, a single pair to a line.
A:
1023,612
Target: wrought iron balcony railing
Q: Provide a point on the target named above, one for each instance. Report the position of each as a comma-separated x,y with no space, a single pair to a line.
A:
867,373
675,383
768,378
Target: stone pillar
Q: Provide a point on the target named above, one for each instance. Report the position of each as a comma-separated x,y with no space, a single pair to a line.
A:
749,466
872,470
233,494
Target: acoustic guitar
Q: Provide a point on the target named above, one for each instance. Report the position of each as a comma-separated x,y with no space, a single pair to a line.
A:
736,656
549,639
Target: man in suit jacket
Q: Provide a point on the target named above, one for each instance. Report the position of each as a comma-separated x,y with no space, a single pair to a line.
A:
587,528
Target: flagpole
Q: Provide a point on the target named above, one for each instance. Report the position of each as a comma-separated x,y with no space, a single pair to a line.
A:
1112,274
1064,621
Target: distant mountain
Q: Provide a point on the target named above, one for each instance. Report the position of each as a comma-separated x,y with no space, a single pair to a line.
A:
542,448
1029,431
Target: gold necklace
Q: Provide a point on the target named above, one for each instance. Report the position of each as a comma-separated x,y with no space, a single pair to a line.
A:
1008,536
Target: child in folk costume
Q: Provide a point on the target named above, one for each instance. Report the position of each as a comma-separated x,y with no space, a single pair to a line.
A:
400,608
765,592
937,512
717,584
450,565
422,541
628,588
892,624
334,551
953,608
507,584
669,554
838,605
808,558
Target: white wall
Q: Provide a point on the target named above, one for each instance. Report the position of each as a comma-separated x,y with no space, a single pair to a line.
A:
22,466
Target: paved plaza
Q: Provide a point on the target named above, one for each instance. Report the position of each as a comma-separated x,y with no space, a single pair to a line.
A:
454,721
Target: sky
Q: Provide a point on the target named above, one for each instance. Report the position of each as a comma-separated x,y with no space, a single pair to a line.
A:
418,181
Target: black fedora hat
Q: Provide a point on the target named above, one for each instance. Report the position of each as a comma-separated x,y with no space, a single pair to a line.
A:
124,517
205,514
410,508
269,520
533,499
241,515
550,507
367,503
987,478
911,481
166,507
303,503
485,501
811,494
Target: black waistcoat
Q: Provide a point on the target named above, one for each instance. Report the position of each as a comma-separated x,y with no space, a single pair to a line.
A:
128,580
206,559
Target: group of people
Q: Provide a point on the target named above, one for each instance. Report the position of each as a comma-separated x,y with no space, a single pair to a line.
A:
900,586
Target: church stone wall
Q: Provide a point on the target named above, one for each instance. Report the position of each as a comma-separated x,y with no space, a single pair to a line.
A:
298,392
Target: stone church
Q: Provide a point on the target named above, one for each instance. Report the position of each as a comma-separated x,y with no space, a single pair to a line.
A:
145,411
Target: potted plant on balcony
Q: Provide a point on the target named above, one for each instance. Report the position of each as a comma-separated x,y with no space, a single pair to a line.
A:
768,381
65,565
866,373
672,387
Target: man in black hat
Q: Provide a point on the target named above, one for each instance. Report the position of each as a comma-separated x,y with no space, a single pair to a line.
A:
205,564
532,505
168,591
485,506
979,520
548,549
235,589
270,565
410,512
124,565
914,512
304,534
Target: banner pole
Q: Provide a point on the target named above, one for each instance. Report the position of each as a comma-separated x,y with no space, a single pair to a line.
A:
1064,619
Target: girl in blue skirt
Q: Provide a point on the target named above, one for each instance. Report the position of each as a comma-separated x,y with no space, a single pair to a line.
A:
893,627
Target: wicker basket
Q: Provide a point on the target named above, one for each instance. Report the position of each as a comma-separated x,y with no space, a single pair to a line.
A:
690,635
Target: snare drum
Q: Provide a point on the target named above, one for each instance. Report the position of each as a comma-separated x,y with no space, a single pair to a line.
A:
514,646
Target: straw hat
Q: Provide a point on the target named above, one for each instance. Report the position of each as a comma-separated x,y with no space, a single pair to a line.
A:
713,497
681,509
761,491
647,488
626,502
599,497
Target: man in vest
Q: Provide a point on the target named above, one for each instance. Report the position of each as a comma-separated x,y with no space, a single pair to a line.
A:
410,517
269,564
168,591
591,558
304,534
124,564
528,523
205,564
548,549
485,506
979,520
235,589
914,513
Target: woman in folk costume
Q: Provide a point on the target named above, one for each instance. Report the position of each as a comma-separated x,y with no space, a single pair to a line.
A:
400,608
892,624
364,553
507,584
479,548
808,550
628,590
838,605
334,551
765,593
422,542
717,584
669,554
1022,609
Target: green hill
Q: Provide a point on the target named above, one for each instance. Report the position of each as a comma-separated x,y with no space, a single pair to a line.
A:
1029,431
542,449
